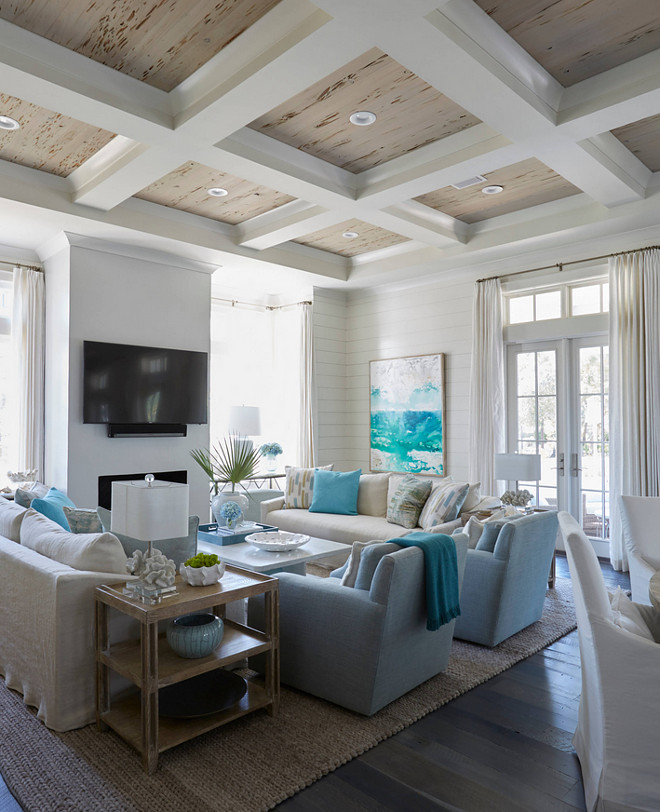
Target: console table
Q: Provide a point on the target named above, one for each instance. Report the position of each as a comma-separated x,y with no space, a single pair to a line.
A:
259,481
150,664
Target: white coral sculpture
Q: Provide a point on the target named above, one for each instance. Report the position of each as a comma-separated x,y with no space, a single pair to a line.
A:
156,569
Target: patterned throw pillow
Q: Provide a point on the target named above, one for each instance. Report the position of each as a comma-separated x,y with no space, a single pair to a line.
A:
299,485
83,520
444,504
24,496
408,500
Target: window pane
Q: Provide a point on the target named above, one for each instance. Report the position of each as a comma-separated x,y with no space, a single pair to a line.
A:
548,497
521,308
591,421
548,305
585,300
547,419
548,453
590,369
526,377
527,419
606,297
606,369
592,466
547,372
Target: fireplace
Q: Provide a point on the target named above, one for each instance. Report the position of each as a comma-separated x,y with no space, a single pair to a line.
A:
105,483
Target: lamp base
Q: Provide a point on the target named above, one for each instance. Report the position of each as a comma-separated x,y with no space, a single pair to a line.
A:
146,593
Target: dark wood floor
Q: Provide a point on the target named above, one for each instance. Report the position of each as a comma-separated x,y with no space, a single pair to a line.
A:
505,746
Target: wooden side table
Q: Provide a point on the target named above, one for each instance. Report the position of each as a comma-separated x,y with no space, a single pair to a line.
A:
150,664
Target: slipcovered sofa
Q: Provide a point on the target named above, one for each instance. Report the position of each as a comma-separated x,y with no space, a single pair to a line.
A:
47,650
374,494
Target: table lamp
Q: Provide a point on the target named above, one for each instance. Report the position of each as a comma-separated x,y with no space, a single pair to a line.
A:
151,510
518,467
245,422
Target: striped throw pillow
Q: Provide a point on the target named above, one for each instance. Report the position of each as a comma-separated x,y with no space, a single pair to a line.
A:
408,500
443,505
299,485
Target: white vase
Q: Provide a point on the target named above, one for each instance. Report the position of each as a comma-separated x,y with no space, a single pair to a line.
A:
228,496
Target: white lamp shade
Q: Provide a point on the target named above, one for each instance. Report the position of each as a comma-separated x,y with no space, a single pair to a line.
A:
150,512
518,467
245,420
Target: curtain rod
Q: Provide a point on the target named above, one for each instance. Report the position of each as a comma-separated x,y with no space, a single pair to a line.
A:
561,265
11,263
234,302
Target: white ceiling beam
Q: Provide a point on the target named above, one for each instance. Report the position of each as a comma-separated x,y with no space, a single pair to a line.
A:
424,219
288,222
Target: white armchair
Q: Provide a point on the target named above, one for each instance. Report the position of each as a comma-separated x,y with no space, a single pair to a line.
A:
640,520
618,736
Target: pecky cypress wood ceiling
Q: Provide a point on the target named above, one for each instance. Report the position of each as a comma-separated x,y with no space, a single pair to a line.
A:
131,111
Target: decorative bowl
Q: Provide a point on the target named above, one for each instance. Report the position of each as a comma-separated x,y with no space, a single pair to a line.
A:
195,635
202,576
277,542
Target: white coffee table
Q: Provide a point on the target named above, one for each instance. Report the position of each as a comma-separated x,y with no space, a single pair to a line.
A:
250,558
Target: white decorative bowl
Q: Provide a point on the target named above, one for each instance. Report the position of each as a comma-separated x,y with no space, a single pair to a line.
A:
202,576
277,541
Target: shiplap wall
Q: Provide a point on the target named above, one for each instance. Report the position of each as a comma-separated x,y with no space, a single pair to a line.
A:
330,316
435,317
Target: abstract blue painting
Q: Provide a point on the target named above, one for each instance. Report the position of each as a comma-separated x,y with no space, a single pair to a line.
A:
407,414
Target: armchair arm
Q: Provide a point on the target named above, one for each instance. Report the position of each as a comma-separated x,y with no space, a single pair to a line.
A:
270,504
446,527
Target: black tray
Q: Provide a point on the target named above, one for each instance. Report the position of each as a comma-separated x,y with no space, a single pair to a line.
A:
208,693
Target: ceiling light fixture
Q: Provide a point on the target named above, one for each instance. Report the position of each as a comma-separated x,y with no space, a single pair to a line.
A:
350,235
7,123
492,190
362,118
216,191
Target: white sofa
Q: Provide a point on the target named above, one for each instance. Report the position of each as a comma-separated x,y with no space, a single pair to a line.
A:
47,650
374,493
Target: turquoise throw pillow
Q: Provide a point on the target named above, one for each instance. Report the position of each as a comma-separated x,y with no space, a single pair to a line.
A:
336,492
51,506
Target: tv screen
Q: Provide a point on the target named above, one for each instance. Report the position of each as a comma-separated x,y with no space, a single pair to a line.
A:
126,384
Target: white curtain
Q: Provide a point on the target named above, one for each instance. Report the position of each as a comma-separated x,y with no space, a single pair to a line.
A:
27,339
486,420
634,385
306,424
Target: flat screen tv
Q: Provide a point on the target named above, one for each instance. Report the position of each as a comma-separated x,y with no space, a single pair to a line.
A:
143,386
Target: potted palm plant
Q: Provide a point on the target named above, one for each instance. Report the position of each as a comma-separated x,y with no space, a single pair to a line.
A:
231,461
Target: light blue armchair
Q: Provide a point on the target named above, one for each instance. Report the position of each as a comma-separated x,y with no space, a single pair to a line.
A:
504,588
363,648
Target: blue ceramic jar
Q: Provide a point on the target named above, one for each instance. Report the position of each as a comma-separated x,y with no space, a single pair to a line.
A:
197,635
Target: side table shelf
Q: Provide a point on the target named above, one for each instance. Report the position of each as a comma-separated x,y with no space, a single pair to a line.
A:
150,664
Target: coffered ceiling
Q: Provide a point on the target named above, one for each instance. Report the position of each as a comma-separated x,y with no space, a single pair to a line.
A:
130,112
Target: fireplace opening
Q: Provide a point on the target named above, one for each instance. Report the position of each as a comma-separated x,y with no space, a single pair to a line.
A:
105,483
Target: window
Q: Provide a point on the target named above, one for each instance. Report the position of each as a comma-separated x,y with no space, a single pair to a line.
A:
582,299
535,307
585,299
7,438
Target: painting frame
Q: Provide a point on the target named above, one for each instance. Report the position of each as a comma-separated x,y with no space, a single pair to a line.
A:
407,430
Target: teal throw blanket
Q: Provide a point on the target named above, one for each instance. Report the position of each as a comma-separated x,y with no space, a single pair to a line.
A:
442,603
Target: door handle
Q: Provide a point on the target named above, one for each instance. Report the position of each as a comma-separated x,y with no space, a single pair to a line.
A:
575,468
560,466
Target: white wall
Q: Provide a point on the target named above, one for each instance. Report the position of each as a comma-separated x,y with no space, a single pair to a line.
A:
123,299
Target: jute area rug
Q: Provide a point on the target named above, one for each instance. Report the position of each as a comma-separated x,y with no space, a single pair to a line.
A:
251,764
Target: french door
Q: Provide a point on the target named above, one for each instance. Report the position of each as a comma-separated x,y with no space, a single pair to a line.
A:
558,408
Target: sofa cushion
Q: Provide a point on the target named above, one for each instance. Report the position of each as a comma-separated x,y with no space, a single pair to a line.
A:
83,520
627,616
11,518
473,497
176,549
491,532
335,492
51,506
24,496
444,504
92,552
334,527
372,495
408,500
396,479
299,485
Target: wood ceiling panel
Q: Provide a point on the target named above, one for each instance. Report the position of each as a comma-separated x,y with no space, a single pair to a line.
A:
186,189
370,238
410,113
576,39
46,140
161,42
643,139
526,184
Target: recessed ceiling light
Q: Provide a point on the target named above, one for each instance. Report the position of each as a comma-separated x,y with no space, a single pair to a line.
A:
362,118
492,190
216,191
350,235
7,123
